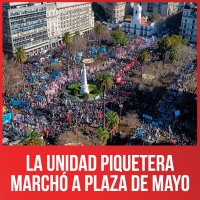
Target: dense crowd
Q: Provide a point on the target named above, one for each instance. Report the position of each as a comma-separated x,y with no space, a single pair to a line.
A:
51,111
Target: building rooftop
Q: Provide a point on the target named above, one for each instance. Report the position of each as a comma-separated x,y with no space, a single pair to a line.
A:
144,22
69,4
127,20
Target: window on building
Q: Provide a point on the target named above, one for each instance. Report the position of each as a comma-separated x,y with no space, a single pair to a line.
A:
190,38
185,20
191,32
150,7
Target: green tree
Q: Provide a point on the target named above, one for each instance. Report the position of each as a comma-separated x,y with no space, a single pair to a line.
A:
67,39
102,134
128,17
112,121
99,29
164,45
104,81
20,55
33,139
143,56
167,43
173,54
118,37
77,33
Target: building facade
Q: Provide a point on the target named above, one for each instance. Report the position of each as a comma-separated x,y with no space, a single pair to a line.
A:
24,25
188,28
40,26
138,25
164,9
114,11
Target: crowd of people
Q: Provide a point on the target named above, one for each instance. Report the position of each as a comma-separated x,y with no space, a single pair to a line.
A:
45,106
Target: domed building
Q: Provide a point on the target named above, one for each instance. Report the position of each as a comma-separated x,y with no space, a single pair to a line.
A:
138,25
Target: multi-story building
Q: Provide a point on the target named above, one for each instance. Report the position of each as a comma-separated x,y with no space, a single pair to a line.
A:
40,26
163,8
188,28
24,24
75,17
53,25
114,11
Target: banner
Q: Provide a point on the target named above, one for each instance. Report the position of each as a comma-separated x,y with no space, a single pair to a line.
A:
14,102
19,103
177,113
7,118
147,117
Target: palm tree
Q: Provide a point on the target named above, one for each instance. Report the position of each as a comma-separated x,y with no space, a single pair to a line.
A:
102,134
77,33
33,139
104,81
112,121
20,55
67,39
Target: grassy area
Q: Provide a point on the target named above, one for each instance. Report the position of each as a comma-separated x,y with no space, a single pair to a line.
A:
74,90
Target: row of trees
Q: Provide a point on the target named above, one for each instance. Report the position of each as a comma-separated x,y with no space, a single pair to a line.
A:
111,119
169,47
74,43
112,123
78,43
101,32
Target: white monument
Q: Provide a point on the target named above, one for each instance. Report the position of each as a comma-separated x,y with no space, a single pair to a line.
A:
84,85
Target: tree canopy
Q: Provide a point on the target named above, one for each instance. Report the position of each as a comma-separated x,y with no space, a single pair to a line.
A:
118,37
143,56
20,55
102,134
33,139
67,39
112,120
168,45
104,80
101,32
